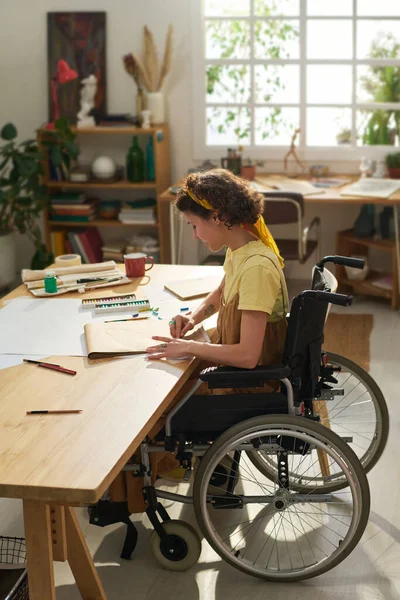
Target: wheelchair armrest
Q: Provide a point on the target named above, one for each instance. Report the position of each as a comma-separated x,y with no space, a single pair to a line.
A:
232,377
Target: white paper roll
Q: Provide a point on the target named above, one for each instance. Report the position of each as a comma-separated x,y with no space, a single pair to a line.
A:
68,260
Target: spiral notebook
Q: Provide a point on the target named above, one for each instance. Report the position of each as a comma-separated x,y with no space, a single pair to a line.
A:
104,340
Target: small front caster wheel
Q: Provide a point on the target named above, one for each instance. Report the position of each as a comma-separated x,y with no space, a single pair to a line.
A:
182,548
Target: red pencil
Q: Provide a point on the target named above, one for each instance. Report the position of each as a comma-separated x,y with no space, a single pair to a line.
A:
52,366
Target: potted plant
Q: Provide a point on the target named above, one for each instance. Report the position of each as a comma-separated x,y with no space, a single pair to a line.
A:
393,165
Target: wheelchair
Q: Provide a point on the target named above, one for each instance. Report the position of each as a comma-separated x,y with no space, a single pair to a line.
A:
267,468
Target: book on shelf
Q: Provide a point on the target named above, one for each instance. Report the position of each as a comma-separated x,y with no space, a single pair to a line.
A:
88,243
68,198
57,239
73,218
383,282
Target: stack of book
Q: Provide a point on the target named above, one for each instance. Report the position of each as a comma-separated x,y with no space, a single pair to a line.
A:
72,208
114,251
141,212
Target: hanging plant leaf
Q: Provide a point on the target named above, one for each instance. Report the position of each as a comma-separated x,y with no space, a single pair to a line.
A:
9,132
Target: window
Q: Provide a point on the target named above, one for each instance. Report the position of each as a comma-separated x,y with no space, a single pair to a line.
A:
263,68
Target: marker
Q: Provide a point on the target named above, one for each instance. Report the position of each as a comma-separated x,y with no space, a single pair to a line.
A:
53,412
184,308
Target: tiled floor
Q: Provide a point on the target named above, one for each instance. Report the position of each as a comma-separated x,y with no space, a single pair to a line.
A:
371,572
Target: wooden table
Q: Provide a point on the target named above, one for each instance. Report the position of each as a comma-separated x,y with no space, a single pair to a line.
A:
325,196
56,462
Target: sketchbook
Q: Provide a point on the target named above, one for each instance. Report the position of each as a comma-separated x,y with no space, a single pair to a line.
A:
285,184
104,340
186,289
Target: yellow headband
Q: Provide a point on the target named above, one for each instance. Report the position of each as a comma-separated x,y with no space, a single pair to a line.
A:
259,228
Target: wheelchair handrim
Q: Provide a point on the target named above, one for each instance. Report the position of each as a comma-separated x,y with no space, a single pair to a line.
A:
309,437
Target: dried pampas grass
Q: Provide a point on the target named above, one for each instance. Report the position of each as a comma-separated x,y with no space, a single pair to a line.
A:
166,66
146,71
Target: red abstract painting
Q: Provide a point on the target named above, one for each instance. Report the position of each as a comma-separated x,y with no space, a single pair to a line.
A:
80,39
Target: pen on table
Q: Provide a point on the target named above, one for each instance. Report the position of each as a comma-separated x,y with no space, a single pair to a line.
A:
52,366
134,318
53,412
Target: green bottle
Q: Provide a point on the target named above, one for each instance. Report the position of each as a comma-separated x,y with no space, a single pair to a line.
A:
150,170
135,162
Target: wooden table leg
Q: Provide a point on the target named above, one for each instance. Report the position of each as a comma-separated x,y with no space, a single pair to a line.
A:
80,560
320,409
39,550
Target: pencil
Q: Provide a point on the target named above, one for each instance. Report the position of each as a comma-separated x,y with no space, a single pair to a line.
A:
122,320
53,412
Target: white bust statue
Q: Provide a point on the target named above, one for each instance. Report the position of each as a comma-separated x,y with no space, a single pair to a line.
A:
88,92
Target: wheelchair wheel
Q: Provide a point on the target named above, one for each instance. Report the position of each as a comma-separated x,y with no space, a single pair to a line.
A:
360,416
183,548
265,527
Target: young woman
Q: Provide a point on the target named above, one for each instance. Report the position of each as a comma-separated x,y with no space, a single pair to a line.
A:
251,301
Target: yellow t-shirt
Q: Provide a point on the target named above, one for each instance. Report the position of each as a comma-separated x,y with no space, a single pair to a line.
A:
253,272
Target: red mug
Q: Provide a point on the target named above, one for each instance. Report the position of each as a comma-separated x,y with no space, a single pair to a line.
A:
135,264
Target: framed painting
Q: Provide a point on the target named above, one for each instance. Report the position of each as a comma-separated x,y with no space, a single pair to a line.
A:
79,38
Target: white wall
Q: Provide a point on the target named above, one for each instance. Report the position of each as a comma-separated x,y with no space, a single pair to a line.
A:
23,75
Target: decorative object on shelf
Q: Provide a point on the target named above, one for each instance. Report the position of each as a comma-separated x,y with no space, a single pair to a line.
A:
292,152
147,74
379,172
393,165
150,166
248,170
319,170
104,167
131,67
365,222
109,209
233,161
365,167
135,162
63,75
80,37
146,119
22,198
386,223
80,174
358,274
88,93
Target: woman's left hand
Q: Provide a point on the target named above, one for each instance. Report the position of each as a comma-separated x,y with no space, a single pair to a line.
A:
169,348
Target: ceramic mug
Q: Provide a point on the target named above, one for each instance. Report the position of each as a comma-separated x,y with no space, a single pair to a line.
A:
135,264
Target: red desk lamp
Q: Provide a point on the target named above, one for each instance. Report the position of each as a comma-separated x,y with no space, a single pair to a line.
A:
63,75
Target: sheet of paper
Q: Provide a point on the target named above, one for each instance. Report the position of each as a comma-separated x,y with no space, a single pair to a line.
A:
11,360
286,184
44,327
372,188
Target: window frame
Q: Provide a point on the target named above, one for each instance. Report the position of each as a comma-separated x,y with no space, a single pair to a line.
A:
337,153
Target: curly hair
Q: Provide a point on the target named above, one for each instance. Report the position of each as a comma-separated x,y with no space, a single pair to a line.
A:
230,196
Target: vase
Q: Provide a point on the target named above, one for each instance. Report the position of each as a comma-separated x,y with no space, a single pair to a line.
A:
365,223
8,262
155,104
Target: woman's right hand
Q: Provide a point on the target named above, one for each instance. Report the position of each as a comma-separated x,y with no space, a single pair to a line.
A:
180,325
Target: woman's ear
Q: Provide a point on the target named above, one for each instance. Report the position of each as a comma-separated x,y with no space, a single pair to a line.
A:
216,218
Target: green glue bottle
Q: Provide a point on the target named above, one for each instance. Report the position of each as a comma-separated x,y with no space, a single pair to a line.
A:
50,282
135,162
150,168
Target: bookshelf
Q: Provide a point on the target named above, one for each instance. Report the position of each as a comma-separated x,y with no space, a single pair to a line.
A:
160,134
349,244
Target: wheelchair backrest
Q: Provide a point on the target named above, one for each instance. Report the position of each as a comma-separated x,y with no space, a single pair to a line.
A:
324,280
304,339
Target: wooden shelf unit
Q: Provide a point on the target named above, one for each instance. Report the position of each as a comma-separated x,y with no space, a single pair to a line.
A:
162,181
349,244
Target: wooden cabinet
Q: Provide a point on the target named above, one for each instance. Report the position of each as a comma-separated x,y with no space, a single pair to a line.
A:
160,135
348,244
